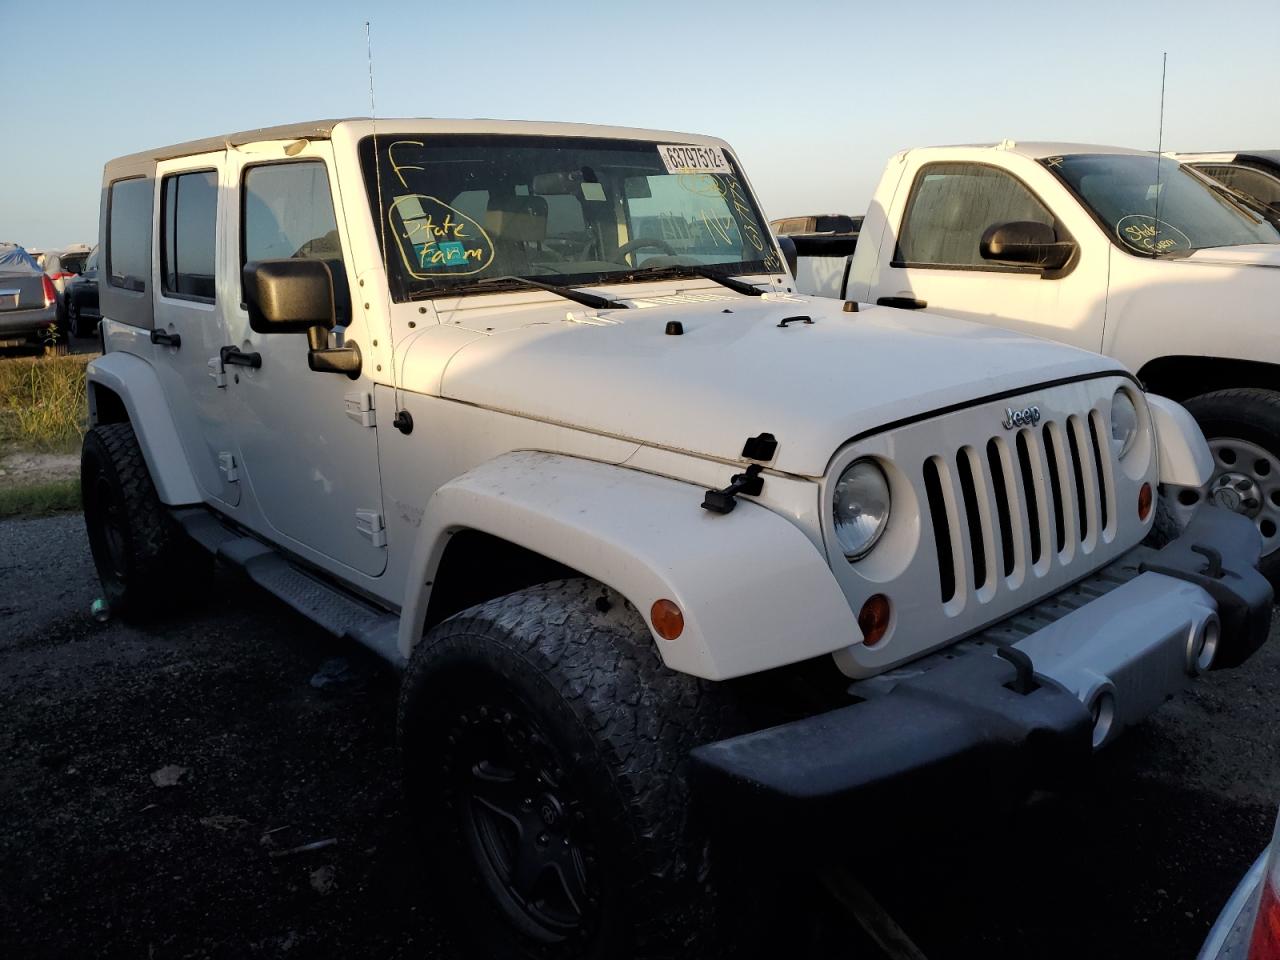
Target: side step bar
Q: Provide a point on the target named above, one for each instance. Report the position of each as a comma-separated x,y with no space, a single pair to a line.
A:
330,608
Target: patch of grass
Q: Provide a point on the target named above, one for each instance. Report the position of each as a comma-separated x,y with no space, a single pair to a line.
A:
43,405
40,499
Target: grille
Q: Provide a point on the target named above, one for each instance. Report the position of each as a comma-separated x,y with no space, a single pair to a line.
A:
1006,511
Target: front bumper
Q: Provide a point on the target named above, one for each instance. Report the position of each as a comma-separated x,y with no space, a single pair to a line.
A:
1019,706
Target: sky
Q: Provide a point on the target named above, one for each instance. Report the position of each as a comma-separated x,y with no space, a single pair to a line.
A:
814,96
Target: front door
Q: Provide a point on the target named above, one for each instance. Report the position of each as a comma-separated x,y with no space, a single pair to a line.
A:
935,263
307,441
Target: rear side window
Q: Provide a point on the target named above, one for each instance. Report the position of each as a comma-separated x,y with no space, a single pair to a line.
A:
287,212
952,205
129,234
188,218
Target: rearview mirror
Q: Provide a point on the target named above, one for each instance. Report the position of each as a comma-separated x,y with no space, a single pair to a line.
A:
1027,243
288,296
789,253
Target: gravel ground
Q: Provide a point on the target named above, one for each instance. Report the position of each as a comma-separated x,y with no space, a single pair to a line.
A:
96,859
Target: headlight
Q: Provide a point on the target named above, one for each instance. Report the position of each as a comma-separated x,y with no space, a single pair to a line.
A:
861,508
1124,422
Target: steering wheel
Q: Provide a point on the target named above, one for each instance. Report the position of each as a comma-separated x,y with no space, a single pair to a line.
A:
639,243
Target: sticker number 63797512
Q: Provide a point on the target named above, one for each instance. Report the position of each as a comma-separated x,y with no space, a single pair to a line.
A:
691,158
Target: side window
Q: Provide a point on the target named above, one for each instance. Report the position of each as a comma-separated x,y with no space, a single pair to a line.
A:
286,212
188,218
129,234
952,205
1254,183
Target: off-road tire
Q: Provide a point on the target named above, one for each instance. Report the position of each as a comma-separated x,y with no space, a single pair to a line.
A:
579,659
1244,413
151,565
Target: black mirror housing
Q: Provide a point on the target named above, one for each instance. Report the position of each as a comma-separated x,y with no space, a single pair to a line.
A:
1026,243
288,296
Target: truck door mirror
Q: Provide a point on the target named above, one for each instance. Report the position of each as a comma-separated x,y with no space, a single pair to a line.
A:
296,296
288,296
1027,243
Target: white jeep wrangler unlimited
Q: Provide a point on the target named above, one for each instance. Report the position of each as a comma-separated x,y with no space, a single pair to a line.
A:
682,536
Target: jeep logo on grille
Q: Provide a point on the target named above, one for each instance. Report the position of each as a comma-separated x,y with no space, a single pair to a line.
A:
1026,417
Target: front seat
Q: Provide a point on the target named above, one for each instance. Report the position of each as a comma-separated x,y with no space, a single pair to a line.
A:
517,226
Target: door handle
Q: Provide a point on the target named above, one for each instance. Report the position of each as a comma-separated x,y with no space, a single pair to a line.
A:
234,357
902,303
166,339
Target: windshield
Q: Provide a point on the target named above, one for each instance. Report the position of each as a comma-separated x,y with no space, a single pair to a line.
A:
455,211
1159,208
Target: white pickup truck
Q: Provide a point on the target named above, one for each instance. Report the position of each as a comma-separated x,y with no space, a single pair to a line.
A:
1107,249
531,411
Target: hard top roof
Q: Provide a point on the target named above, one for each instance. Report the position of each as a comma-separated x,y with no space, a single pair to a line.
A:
140,163
1038,149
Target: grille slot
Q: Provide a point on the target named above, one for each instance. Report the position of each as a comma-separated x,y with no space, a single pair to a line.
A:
1104,482
977,543
1032,498
941,530
995,462
1055,485
1077,470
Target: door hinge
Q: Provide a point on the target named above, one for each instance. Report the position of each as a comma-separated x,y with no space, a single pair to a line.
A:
216,371
360,408
371,527
227,464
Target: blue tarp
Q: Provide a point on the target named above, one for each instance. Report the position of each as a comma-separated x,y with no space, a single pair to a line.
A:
14,259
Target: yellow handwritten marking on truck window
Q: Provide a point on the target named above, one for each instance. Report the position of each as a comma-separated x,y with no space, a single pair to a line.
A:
717,229
701,184
397,167
436,239
746,216
1154,236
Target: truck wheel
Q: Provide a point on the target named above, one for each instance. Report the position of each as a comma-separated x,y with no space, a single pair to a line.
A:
144,561
1243,429
545,745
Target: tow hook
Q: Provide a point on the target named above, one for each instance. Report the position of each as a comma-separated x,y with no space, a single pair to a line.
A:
723,501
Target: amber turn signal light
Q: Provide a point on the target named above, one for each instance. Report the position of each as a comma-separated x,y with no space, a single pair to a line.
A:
1144,501
667,619
873,619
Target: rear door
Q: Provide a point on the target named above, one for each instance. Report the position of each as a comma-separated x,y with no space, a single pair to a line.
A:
932,260
190,321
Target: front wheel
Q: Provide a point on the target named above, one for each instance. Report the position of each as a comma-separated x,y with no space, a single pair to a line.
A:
545,746
1242,427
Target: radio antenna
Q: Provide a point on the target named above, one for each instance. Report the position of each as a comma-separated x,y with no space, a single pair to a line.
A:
382,235
1164,63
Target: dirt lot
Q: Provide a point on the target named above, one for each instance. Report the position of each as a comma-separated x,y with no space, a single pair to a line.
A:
97,860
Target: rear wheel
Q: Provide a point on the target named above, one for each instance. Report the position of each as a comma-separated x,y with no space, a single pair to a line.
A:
144,561
1242,427
73,319
545,747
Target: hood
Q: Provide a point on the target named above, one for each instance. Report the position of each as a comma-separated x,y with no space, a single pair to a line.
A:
735,373
1250,255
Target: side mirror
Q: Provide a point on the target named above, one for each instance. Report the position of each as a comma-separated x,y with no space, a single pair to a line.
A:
296,296
288,296
1027,243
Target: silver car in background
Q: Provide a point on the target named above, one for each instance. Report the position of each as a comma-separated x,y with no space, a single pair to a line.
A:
28,299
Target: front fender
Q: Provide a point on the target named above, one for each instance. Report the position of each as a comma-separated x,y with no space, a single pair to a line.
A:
754,591
135,382
1185,460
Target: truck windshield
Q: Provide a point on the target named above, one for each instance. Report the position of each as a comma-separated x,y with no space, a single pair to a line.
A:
1159,208
455,210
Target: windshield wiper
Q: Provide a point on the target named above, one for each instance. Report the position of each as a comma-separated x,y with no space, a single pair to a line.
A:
706,273
569,293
